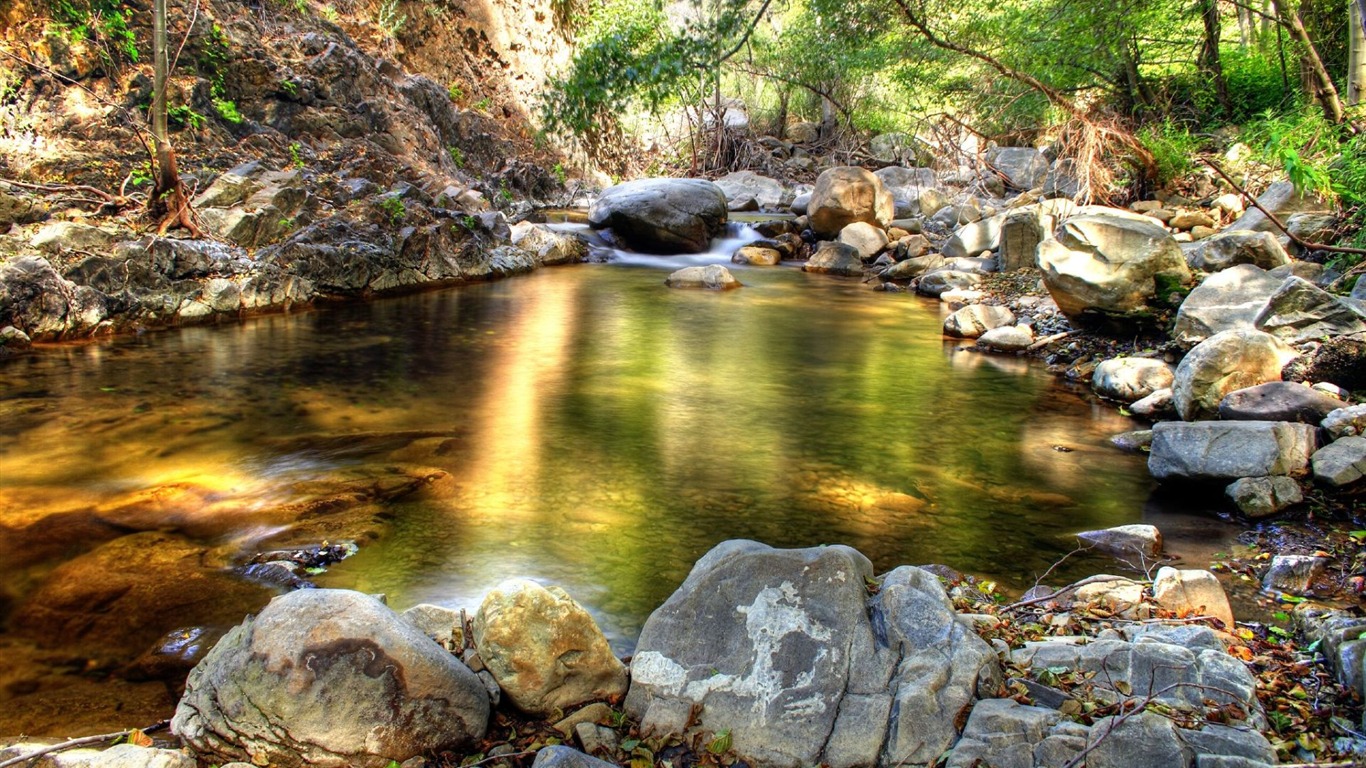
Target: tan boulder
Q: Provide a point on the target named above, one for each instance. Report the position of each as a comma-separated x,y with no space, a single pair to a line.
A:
1192,591
845,195
544,649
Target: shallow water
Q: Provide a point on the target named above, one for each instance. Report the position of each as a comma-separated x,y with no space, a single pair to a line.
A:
595,430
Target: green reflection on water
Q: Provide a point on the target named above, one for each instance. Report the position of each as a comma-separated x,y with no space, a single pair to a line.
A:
599,432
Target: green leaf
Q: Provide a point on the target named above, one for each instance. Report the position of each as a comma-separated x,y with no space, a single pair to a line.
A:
1358,535
721,744
630,744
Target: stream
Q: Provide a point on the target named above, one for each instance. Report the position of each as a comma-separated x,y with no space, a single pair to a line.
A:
582,426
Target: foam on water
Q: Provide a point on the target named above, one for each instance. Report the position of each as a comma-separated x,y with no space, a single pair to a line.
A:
736,234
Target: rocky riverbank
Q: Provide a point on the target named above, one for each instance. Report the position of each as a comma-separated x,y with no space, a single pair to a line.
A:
762,657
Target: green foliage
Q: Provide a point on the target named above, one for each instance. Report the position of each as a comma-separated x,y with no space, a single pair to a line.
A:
457,156
289,88
296,158
228,111
630,57
104,21
184,116
1297,142
561,175
394,208
1173,148
330,13
483,104
388,18
456,93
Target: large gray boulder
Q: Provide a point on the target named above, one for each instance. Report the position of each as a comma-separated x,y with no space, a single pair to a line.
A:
845,195
1281,199
664,216
1110,264
1228,249
973,238
740,186
1229,300
329,678
1301,311
543,648
787,650
1128,379
1340,463
906,186
1228,450
1225,362
37,300
1021,233
1024,168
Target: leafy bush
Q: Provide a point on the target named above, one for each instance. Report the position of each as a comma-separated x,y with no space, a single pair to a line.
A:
102,20
1173,149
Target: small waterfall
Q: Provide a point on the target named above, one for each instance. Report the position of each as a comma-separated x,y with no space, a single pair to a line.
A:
722,248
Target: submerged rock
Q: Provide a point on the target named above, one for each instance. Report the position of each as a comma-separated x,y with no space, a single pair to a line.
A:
788,651
544,649
1264,496
1126,540
329,678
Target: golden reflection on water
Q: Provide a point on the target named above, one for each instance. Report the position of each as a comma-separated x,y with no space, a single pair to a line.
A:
583,426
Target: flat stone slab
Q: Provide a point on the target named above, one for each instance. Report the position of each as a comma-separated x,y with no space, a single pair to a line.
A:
1228,450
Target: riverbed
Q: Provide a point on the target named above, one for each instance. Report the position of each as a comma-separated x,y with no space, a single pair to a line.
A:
581,426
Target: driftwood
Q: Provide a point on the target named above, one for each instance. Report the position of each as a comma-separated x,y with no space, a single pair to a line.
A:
83,741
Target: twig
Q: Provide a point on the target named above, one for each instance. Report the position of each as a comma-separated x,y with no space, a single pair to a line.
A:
1308,246
81,742
1098,579
1059,562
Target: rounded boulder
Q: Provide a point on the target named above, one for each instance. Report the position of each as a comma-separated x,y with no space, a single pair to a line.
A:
544,649
329,677
663,216
845,195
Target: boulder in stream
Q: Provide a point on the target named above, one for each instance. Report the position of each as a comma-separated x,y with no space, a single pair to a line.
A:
664,216
712,277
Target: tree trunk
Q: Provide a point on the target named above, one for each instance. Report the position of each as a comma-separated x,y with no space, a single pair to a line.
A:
1209,53
1247,28
169,201
1356,61
1322,81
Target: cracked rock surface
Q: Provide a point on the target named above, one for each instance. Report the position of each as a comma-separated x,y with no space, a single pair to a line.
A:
789,651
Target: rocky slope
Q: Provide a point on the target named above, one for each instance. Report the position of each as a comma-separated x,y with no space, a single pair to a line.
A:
334,150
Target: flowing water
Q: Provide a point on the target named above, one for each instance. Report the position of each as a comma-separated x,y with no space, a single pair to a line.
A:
582,426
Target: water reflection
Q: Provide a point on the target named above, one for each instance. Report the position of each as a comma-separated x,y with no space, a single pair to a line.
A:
582,426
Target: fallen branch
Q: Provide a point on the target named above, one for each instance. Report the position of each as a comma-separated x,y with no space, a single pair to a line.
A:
1045,341
1275,220
80,742
493,759
1098,579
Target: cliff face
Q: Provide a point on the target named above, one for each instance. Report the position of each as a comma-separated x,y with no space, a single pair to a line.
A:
446,90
